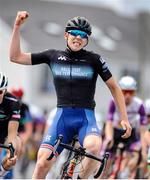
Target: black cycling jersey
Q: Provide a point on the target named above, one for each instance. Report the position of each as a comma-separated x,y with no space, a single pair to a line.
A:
75,75
9,111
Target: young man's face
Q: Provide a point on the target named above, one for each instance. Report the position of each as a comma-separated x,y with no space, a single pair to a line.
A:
2,92
128,95
76,39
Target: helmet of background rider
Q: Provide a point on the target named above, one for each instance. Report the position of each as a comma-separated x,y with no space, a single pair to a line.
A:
79,23
128,83
3,81
17,91
147,107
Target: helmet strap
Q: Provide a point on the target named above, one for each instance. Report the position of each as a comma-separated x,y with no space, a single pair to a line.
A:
87,42
5,91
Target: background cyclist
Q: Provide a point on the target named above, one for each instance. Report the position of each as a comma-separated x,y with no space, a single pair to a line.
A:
9,122
137,119
75,72
25,128
146,143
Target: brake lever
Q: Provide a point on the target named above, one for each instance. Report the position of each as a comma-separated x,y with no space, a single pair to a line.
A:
11,149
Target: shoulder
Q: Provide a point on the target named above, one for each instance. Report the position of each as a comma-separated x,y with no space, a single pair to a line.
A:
24,106
11,101
46,52
138,100
49,51
10,98
92,54
98,59
138,103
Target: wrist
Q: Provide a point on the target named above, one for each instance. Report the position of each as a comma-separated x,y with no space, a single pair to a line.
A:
3,171
16,26
124,120
3,165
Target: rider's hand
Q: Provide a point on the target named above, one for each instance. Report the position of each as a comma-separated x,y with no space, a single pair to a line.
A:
8,162
126,126
21,17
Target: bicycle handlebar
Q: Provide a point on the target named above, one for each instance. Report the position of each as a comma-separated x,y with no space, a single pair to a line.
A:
80,151
9,147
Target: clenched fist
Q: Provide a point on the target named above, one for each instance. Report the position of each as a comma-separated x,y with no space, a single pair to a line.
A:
21,17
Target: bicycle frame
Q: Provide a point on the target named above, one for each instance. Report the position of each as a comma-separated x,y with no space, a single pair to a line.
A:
119,157
69,167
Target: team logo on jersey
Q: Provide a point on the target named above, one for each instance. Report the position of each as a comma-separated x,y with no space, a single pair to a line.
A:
62,58
104,64
2,116
76,71
94,129
83,60
16,116
48,138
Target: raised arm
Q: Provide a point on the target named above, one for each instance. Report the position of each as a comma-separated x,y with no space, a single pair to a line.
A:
119,99
16,55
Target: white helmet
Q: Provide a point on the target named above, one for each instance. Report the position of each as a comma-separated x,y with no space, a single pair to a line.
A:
128,83
3,81
147,106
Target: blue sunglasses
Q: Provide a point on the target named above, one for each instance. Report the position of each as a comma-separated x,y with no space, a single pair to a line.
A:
78,33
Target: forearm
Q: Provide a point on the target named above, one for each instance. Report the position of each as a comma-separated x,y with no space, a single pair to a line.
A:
142,136
12,131
15,50
109,130
16,55
120,102
119,99
25,137
28,132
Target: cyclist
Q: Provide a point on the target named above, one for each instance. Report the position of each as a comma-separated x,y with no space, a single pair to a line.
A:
25,127
75,72
146,142
9,122
25,124
137,118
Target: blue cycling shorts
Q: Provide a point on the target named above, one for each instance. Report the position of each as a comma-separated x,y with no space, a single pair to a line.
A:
70,122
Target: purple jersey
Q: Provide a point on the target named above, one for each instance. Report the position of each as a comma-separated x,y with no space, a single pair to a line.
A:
135,111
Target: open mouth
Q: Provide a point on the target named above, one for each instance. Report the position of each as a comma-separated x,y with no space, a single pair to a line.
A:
77,43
